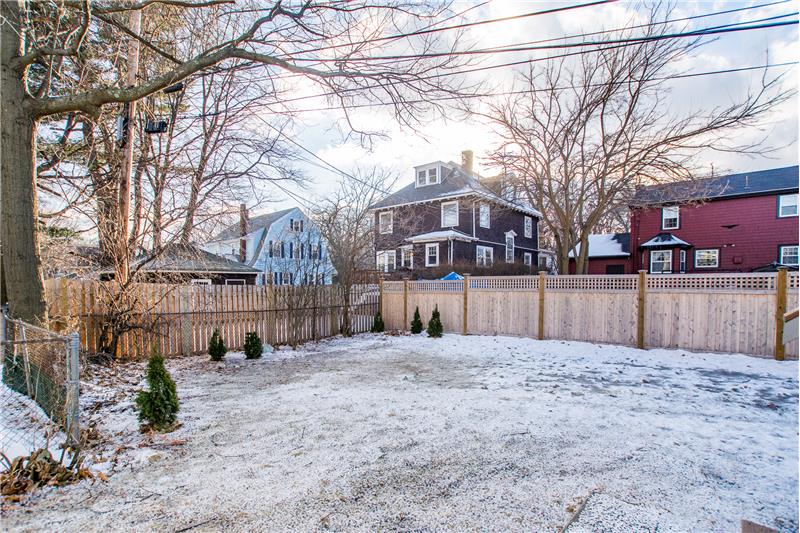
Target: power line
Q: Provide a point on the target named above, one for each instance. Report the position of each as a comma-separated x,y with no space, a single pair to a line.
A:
632,40
427,31
522,62
651,24
511,93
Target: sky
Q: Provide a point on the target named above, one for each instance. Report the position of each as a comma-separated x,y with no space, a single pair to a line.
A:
400,149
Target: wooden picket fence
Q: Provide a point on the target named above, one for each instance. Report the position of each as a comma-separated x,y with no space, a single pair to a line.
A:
737,313
180,319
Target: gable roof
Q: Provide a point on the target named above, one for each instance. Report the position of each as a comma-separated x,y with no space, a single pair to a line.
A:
187,258
253,224
760,182
456,182
607,245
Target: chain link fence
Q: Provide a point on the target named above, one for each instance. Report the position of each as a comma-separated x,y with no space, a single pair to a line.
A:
39,390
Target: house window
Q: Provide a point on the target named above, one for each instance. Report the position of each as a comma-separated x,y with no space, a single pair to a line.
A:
205,281
276,249
788,255
297,225
315,251
661,261
706,258
670,217
385,222
509,248
484,256
287,278
449,214
427,176
432,255
483,215
234,282
528,258
407,257
277,277
387,260
528,228
787,205
682,259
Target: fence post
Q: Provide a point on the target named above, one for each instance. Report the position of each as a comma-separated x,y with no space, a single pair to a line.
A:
72,414
186,320
542,283
640,309
465,324
380,295
780,310
405,304
3,327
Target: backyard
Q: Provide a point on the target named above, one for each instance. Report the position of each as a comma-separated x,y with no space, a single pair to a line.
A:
460,433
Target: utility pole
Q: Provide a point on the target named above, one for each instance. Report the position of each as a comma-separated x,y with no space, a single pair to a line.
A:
135,21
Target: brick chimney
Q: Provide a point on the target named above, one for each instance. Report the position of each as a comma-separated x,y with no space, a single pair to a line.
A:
466,160
242,233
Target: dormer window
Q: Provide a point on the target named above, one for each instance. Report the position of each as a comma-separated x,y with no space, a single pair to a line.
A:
429,175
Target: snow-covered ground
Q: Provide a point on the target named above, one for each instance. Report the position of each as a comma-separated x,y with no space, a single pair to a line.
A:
459,433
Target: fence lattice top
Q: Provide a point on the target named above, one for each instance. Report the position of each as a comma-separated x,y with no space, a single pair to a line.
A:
748,282
712,282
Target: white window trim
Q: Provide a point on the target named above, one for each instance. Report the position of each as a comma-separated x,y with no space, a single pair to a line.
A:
669,262
527,259
682,262
479,252
391,222
511,235
410,250
430,246
780,253
201,281
385,266
481,206
235,282
780,205
677,217
528,227
437,175
454,202
716,262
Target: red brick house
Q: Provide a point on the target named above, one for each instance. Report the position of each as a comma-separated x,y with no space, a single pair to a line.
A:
738,223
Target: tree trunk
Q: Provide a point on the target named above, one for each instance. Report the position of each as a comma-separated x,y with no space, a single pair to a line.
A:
21,267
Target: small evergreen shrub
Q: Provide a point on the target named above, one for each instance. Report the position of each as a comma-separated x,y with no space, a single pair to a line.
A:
159,405
416,323
216,347
377,324
252,345
435,324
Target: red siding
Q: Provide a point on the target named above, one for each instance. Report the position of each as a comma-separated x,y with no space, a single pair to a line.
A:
598,266
753,241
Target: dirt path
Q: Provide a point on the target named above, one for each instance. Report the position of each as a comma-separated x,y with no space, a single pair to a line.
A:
382,433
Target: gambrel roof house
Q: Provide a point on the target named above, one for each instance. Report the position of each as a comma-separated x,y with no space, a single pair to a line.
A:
284,246
449,215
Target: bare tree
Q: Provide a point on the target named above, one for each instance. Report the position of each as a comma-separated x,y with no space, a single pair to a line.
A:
346,224
587,131
42,43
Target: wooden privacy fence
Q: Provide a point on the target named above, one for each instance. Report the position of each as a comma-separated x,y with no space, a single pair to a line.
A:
741,313
180,319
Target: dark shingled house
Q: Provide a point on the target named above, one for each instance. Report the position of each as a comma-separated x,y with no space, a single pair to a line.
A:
451,216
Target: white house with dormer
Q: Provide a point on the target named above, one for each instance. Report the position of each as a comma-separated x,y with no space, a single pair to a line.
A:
285,246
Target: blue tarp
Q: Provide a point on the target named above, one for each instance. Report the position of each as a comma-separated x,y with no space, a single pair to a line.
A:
452,276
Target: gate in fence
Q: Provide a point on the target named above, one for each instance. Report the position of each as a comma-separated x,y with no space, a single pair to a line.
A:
39,390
